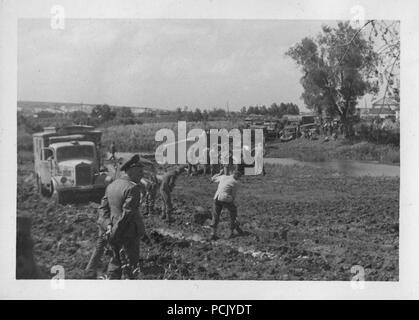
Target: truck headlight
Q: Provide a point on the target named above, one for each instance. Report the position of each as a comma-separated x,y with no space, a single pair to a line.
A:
63,180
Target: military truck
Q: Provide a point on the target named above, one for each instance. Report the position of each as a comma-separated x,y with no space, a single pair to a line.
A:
68,163
273,127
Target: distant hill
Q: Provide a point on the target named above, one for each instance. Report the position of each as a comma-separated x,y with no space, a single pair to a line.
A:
32,107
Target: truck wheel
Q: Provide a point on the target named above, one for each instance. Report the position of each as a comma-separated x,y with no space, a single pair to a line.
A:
41,188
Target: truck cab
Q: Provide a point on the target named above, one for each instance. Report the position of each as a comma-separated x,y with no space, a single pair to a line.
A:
67,163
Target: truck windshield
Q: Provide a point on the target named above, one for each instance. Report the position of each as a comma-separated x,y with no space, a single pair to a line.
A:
75,152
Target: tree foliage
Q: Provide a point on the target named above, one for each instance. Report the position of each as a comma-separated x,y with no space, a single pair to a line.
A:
386,36
336,67
103,112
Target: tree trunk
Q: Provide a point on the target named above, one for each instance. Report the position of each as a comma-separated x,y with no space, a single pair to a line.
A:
346,126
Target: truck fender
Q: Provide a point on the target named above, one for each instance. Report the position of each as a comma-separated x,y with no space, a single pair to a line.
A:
54,185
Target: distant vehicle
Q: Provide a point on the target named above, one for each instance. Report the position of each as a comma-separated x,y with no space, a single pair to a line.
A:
248,122
272,128
310,130
67,163
289,133
259,125
291,119
253,119
308,119
309,126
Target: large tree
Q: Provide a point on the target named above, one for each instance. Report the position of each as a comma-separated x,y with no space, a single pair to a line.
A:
336,66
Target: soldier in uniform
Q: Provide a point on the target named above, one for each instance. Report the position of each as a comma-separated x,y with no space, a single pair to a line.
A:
206,167
119,215
213,158
113,151
224,198
150,187
167,185
192,168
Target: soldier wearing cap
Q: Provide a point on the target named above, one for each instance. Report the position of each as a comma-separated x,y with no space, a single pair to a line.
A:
119,215
167,185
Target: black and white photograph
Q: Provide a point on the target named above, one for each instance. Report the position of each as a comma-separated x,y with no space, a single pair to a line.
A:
204,147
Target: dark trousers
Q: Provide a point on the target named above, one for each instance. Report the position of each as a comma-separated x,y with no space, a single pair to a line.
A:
131,248
218,207
167,201
207,168
150,198
226,169
192,169
213,169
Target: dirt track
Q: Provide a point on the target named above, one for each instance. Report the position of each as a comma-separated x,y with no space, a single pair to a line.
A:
301,223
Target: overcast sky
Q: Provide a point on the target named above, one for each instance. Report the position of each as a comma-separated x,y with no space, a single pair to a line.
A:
161,63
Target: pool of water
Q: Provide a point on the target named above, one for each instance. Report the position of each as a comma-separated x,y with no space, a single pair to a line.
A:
347,167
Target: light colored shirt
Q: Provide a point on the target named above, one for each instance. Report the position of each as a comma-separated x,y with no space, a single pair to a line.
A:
227,188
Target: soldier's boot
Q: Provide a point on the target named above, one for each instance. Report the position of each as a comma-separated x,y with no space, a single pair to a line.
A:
214,225
136,272
90,274
235,226
126,269
115,274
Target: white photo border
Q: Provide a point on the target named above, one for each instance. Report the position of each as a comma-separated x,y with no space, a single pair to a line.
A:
408,285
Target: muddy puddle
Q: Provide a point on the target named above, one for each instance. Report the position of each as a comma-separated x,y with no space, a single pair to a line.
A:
198,238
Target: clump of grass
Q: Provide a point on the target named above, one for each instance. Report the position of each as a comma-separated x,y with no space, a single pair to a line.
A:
392,155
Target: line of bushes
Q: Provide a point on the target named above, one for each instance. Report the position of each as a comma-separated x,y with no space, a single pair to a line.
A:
389,135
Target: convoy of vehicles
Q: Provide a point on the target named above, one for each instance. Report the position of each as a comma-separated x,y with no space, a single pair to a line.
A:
287,128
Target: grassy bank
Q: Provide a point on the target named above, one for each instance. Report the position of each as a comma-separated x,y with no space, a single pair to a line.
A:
318,150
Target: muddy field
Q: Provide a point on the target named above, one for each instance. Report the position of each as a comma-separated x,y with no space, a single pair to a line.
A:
301,224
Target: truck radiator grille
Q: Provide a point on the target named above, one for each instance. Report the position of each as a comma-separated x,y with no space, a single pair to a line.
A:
83,174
